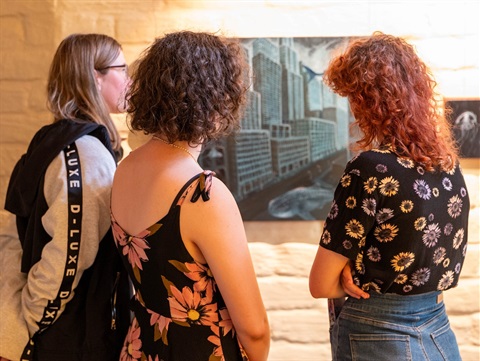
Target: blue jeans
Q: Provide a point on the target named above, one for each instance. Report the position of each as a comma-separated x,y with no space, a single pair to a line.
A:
394,328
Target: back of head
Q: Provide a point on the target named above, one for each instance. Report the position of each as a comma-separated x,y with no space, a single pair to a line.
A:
189,86
392,96
72,88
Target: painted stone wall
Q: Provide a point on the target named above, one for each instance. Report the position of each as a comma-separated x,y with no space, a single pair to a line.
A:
446,34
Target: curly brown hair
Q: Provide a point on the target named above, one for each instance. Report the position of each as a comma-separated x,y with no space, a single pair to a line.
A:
189,86
392,97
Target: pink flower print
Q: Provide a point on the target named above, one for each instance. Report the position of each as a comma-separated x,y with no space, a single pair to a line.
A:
226,322
203,278
132,346
150,358
134,248
215,339
189,307
118,233
161,323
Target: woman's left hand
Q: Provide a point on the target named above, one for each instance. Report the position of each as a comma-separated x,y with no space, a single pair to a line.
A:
350,288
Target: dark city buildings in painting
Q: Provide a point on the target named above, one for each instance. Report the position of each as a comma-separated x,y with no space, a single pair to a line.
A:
292,146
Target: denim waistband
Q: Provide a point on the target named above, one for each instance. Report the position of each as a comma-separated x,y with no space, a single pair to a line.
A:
399,303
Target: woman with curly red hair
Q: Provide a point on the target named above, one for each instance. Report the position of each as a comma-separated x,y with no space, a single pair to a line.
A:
178,227
396,234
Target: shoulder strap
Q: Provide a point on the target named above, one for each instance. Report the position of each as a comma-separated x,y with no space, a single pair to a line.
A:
203,189
74,231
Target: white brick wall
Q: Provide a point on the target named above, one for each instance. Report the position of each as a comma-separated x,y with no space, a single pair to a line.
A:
445,32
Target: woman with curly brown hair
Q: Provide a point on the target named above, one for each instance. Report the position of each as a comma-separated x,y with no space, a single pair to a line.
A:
177,226
399,217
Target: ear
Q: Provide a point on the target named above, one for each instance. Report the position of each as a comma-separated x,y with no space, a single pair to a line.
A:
98,79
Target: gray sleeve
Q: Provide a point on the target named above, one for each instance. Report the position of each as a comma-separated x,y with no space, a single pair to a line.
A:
45,277
13,328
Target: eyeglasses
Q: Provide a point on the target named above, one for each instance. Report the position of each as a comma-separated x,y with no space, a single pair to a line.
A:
122,67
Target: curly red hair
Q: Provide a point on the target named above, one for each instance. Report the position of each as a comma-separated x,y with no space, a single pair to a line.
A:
392,97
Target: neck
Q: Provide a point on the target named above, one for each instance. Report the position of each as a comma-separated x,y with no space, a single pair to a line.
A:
179,147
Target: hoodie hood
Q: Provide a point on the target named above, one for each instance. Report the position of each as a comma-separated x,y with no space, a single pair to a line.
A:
48,142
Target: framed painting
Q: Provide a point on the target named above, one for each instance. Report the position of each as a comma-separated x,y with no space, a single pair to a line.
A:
293,144
465,117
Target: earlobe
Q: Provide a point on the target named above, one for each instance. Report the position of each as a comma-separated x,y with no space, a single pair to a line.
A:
98,80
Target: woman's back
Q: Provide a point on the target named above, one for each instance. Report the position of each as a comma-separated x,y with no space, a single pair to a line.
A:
180,313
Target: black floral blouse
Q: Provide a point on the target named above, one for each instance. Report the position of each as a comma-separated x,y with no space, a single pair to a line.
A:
405,229
179,313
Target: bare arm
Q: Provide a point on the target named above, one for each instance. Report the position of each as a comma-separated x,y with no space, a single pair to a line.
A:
331,276
217,229
324,280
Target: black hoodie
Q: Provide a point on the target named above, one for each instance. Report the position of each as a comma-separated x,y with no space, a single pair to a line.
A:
87,317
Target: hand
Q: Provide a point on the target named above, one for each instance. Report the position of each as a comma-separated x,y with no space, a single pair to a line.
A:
4,359
350,288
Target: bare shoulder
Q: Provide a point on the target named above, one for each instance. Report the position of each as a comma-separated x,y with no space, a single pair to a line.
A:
130,161
220,189
221,206
214,226
220,200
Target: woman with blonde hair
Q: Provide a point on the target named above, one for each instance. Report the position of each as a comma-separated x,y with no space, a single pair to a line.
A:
399,217
65,293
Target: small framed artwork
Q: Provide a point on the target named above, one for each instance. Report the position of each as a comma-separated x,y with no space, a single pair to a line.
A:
465,119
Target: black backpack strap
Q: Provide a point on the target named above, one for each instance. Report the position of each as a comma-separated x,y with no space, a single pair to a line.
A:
75,210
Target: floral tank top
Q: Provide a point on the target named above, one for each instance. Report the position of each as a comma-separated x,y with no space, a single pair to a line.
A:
179,313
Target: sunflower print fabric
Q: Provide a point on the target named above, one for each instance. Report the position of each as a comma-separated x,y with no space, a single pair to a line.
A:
404,229
179,313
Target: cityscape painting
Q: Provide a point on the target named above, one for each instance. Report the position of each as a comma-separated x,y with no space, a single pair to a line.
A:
292,148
